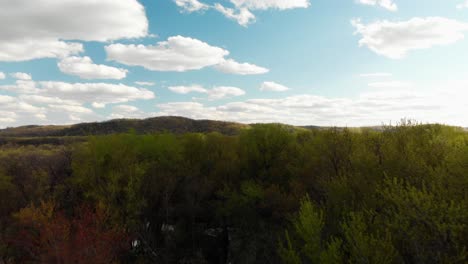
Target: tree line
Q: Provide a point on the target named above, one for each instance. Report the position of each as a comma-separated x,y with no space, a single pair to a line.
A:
271,194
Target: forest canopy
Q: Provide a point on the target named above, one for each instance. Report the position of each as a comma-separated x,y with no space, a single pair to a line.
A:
267,194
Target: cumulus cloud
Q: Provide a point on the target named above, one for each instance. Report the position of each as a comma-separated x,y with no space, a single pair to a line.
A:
13,108
190,6
233,67
63,103
103,93
45,100
441,102
50,29
216,93
187,89
222,92
370,108
84,68
387,4
4,99
21,76
15,111
241,15
176,54
273,87
29,49
75,109
179,54
395,39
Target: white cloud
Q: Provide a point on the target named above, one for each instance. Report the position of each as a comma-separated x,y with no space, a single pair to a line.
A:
20,86
191,5
179,54
7,117
188,109
176,54
45,100
126,111
86,69
145,83
21,76
233,67
438,102
241,11
387,4
13,109
273,87
463,5
395,39
126,108
44,28
188,89
2,76
95,92
376,75
241,15
389,85
372,108
63,103
216,93
29,49
77,109
98,105
19,111
80,93
129,111
267,4
4,99
222,92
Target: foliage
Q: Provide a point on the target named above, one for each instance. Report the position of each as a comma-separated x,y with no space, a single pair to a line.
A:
313,248
254,194
48,236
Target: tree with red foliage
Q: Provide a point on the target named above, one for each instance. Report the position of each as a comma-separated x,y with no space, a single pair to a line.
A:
49,236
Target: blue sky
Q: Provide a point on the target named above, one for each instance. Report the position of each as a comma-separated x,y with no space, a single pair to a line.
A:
302,62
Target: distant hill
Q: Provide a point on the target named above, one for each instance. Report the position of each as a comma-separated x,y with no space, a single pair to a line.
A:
171,124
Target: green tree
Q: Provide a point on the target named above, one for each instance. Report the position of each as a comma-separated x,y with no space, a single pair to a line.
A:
312,246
